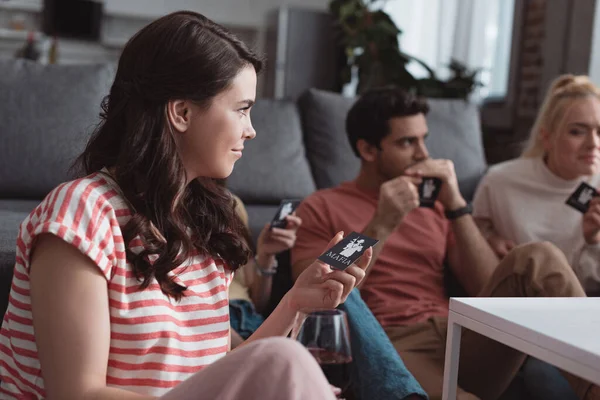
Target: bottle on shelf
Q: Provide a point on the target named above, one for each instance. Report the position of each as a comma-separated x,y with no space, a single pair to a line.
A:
29,49
53,51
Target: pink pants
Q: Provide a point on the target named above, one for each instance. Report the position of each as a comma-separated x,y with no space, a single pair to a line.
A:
268,369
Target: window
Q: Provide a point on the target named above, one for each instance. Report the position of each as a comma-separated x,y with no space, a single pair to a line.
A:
476,33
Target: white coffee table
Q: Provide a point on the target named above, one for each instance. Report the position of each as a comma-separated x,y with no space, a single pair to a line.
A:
564,332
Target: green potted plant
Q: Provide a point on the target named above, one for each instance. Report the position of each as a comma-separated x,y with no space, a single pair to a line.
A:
369,38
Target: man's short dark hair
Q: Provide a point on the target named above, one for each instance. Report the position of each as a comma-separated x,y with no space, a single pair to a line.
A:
369,116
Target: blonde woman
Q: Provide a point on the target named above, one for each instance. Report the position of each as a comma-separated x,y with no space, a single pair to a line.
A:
523,200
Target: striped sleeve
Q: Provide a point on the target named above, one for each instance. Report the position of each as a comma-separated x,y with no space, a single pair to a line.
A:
228,274
81,214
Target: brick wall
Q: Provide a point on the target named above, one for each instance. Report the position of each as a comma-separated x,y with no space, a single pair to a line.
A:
530,92
531,60
501,145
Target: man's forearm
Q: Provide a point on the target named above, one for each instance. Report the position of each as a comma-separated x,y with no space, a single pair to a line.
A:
381,232
260,290
476,258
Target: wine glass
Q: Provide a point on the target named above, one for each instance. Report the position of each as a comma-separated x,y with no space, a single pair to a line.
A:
326,336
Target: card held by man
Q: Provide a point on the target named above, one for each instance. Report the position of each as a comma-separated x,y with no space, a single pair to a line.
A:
348,250
286,207
429,189
582,196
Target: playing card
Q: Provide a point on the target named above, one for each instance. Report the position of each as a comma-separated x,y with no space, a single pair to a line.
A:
286,207
429,190
343,254
581,197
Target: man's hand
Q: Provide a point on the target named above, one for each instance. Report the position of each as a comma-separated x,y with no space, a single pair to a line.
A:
397,197
450,195
591,222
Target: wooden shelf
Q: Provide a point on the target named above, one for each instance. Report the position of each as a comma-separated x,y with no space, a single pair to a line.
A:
11,34
22,5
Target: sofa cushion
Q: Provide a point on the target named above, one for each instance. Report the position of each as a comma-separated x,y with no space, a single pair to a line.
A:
455,134
46,116
327,148
273,166
12,214
258,216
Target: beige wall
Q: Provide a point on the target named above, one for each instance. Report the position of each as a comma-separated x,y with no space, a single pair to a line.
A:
247,18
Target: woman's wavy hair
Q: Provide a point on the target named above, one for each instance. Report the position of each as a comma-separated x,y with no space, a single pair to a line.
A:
563,91
183,55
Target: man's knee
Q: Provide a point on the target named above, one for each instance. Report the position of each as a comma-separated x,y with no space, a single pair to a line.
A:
540,249
545,254
546,269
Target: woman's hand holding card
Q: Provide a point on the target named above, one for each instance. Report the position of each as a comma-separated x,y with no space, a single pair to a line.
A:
322,287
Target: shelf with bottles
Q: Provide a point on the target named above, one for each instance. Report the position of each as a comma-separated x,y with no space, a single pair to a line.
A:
20,35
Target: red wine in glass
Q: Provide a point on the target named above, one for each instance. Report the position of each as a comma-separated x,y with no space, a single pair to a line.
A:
326,336
335,366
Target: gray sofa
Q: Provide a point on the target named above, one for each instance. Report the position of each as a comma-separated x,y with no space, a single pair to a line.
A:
47,113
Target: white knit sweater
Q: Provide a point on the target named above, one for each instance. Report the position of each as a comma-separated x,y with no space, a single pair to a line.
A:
523,201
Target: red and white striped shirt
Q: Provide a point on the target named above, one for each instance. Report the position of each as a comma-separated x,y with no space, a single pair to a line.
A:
156,342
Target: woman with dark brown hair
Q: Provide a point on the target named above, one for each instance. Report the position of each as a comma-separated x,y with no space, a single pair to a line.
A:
120,283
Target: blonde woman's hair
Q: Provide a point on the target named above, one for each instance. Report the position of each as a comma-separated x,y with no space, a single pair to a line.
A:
563,91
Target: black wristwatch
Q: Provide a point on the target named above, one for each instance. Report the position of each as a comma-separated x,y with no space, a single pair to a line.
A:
459,212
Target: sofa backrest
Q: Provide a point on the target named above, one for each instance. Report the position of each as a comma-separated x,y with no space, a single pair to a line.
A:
48,112
455,134
327,148
46,116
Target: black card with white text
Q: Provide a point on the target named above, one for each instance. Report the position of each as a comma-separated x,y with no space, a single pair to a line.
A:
581,197
286,207
429,190
343,254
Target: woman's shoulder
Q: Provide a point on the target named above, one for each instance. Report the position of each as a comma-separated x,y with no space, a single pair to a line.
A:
82,212
510,170
93,193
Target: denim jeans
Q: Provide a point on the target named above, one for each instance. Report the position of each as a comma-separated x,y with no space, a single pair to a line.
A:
378,371
244,318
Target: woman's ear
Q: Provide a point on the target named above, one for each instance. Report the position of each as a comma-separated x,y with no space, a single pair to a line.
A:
367,151
179,114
